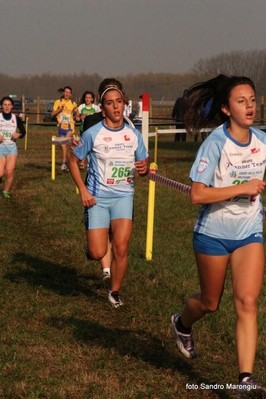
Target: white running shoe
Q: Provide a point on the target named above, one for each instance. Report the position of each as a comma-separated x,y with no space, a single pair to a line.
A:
106,276
114,299
64,167
184,342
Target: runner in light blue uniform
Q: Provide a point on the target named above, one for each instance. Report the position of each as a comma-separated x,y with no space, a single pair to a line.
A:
227,181
220,162
115,151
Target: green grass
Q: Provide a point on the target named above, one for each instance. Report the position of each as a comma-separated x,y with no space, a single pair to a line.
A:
59,337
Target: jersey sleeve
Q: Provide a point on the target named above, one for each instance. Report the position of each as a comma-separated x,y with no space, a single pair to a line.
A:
207,159
84,145
56,104
141,153
20,127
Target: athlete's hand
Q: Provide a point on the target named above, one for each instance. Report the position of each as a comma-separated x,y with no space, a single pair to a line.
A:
1,138
254,187
15,136
141,167
73,143
87,199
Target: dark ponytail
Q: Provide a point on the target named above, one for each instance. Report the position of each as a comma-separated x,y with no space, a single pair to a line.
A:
203,102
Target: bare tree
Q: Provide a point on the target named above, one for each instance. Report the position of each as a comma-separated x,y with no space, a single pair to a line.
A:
249,63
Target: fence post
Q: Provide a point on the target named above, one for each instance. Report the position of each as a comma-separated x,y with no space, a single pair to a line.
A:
38,109
23,107
150,219
53,160
145,119
26,135
262,109
156,144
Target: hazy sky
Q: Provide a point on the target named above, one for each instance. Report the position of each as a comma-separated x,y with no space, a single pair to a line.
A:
117,37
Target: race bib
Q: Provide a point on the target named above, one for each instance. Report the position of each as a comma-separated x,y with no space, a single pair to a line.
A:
64,118
119,172
7,135
242,177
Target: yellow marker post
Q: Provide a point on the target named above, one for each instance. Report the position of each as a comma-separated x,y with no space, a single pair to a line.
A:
53,159
26,135
150,218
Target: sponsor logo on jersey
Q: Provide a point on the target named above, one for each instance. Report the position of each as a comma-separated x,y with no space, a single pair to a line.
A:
107,139
118,147
110,181
227,165
255,150
235,154
126,137
6,125
233,174
202,165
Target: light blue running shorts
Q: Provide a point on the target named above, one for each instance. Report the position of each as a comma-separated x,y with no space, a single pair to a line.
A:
100,215
8,149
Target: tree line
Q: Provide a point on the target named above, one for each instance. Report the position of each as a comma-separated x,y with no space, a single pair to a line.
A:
160,86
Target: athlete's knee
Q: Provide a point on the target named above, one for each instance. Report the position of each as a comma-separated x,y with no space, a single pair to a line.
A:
120,249
9,174
247,304
210,305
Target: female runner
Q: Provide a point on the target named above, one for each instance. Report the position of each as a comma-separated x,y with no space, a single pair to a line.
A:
115,151
227,180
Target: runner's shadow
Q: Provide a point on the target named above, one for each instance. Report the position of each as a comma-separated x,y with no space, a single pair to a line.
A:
138,343
41,272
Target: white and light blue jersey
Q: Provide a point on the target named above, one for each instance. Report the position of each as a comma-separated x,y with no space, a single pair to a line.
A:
111,155
221,161
8,128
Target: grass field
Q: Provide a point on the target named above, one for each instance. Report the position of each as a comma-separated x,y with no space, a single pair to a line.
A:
59,337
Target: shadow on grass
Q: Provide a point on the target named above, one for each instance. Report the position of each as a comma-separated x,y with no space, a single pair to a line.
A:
38,167
138,344
63,280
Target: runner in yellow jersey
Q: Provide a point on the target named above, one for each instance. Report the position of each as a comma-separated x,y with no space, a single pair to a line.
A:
64,110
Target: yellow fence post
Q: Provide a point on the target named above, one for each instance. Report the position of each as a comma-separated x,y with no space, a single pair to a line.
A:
150,219
53,159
